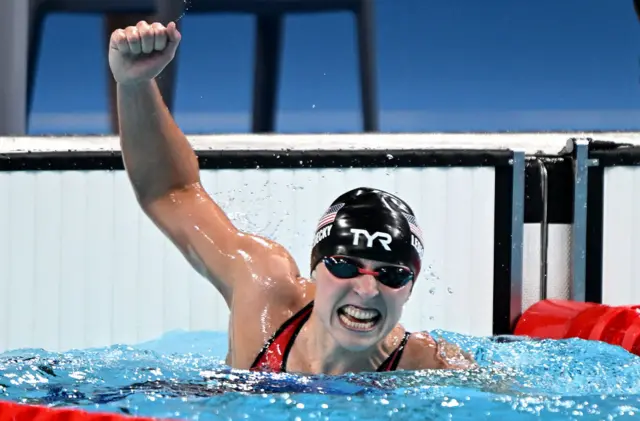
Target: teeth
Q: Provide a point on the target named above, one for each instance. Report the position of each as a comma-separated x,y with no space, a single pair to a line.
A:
363,315
356,326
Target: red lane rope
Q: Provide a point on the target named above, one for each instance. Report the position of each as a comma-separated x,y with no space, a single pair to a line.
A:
11,411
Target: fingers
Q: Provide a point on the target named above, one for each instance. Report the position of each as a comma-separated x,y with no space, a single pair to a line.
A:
133,38
119,41
172,32
145,39
160,39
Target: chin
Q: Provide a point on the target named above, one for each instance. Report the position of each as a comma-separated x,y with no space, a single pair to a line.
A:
358,346
357,340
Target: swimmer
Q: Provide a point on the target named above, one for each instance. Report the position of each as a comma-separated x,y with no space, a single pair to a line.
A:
365,259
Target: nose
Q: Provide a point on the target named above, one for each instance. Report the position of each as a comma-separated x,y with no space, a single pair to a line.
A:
366,286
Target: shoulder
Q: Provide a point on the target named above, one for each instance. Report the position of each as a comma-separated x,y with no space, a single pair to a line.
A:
272,276
422,352
269,266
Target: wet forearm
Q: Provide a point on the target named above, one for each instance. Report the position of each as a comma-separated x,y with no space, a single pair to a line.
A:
157,155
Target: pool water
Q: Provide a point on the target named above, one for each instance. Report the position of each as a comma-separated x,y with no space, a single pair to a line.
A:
182,375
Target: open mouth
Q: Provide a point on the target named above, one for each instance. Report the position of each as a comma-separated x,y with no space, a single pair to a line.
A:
358,319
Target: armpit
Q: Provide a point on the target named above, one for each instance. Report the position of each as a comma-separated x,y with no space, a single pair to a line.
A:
196,262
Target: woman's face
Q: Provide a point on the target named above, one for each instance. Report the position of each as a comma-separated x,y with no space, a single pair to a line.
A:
358,312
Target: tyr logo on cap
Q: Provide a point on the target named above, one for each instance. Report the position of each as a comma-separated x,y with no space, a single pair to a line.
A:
383,237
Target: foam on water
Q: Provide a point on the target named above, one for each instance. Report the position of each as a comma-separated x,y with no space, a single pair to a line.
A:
182,375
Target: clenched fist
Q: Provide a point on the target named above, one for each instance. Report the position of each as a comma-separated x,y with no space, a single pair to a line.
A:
139,53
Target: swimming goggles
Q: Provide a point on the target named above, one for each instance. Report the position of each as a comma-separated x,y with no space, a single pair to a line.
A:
344,268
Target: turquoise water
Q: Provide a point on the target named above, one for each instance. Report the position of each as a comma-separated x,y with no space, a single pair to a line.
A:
181,375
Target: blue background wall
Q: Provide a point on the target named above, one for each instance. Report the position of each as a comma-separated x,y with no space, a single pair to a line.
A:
499,65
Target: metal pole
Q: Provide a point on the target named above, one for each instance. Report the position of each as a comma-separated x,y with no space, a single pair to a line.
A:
544,230
14,32
581,163
517,237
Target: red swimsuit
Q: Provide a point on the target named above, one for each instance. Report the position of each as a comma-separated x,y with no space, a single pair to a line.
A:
274,354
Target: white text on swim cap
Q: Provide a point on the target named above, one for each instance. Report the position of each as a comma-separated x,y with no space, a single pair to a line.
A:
321,234
417,245
383,237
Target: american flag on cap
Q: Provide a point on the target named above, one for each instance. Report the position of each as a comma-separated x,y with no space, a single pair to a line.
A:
329,216
413,226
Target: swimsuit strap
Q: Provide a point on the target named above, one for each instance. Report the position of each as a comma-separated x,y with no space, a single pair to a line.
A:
391,363
274,354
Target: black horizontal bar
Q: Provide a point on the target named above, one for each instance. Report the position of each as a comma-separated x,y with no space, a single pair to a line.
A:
246,159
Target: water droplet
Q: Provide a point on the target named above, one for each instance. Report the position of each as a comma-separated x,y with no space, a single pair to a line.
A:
187,5
449,290
389,156
432,290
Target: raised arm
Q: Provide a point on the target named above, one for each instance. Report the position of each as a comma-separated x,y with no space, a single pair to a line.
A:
164,172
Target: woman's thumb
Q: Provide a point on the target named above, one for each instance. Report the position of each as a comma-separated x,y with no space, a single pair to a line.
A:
174,35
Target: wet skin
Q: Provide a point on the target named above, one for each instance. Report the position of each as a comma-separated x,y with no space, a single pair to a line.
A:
259,280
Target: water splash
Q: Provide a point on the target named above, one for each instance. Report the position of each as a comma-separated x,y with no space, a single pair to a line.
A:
183,376
187,6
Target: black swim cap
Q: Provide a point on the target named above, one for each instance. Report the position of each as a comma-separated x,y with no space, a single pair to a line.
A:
369,224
